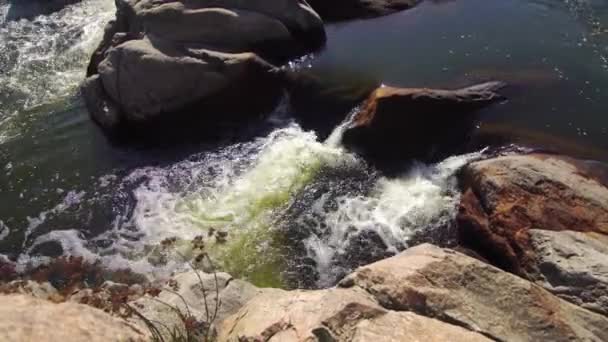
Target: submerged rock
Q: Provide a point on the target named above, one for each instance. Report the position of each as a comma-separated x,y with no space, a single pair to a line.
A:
542,217
171,59
397,123
26,318
337,10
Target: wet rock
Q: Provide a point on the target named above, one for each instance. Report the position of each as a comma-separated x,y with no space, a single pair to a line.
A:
455,288
101,107
332,315
338,10
183,59
399,123
26,318
28,9
364,248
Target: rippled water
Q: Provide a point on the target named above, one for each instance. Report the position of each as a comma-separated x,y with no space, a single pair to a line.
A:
298,210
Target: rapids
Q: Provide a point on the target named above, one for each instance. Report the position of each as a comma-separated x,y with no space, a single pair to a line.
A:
297,210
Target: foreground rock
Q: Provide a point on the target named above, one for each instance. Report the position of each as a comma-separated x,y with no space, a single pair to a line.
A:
337,10
225,295
29,319
543,217
455,288
332,315
203,58
398,123
28,9
424,293
574,266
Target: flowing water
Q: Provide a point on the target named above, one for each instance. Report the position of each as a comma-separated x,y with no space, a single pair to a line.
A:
297,210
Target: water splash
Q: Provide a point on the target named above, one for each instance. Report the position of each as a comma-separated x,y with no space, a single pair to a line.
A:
43,60
423,199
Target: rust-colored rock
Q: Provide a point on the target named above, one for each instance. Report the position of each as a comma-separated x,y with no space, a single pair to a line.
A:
409,122
508,196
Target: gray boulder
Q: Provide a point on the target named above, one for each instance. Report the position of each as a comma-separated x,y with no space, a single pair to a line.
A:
425,293
574,266
332,315
455,288
167,59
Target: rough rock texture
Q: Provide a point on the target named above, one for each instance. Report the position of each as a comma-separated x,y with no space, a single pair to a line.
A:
455,288
543,217
507,196
223,298
29,319
574,266
332,315
337,10
200,58
28,9
424,293
408,122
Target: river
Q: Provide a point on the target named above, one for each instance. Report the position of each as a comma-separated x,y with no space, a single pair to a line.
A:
299,209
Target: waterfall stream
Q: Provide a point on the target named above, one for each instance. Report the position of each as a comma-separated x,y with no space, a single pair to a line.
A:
296,211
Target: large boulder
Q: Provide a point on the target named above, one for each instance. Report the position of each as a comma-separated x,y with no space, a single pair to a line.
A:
338,10
574,266
466,292
25,318
165,60
543,217
332,315
399,123
424,293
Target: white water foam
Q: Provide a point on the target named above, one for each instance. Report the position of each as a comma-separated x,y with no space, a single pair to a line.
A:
424,198
244,189
43,60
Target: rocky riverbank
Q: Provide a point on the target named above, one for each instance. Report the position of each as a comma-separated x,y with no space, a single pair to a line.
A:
530,259
541,218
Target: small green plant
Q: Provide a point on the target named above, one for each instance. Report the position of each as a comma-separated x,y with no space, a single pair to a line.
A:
192,329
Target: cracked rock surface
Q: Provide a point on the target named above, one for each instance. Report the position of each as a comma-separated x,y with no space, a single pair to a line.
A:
424,293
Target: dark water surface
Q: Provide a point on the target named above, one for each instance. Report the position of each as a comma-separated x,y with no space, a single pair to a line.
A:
62,180
553,53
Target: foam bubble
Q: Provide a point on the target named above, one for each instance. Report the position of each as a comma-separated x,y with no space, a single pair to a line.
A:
424,198
43,59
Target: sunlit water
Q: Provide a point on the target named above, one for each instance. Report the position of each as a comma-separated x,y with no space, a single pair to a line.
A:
298,210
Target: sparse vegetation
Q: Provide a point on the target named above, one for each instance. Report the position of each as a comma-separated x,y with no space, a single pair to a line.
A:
192,329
